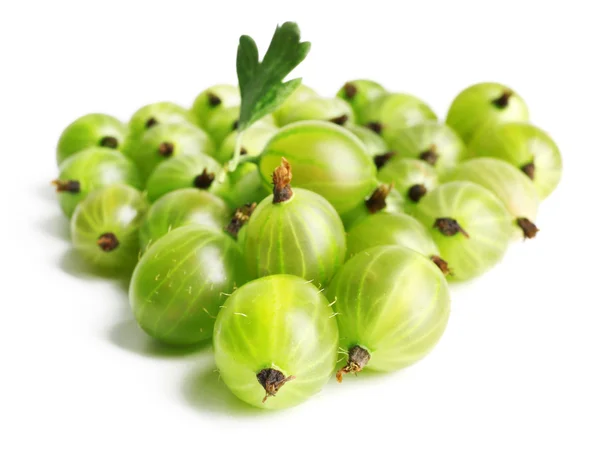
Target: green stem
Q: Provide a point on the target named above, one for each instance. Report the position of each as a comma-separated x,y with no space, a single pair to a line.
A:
237,159
232,165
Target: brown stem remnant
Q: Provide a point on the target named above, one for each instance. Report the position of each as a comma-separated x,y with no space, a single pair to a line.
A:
449,227
416,192
381,160
272,380
528,227
442,264
282,177
109,142
340,120
243,151
239,219
377,127
350,90
204,180
529,170
430,156
151,122
502,101
71,186
166,149
235,125
108,242
358,358
213,100
376,202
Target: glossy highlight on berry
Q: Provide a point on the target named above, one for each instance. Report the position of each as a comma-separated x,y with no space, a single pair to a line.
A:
180,208
392,307
469,224
91,169
326,159
91,130
104,227
276,342
294,231
180,283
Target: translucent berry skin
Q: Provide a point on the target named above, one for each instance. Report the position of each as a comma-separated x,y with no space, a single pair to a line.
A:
514,189
521,144
154,114
484,105
214,99
407,173
181,281
165,141
320,108
435,143
374,144
392,302
326,159
254,141
91,130
180,208
302,236
113,213
390,228
222,123
392,112
301,93
92,169
182,172
279,322
359,93
394,202
245,186
480,214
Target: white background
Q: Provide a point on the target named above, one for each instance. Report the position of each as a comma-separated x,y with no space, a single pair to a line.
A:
518,366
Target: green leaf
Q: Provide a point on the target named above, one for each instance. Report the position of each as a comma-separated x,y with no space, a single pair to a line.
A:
261,83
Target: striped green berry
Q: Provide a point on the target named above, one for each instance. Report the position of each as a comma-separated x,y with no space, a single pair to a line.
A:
469,224
181,281
276,342
392,307
295,232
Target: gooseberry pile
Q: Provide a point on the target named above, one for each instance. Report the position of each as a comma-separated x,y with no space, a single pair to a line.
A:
291,228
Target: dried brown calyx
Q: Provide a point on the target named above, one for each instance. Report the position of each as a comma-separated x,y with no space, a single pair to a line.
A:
204,180
529,170
213,100
442,264
382,160
282,177
151,122
376,202
109,142
340,120
430,156
107,242
243,151
358,358
235,125
166,149
502,101
240,217
449,227
71,186
528,227
417,192
377,127
272,380
350,90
